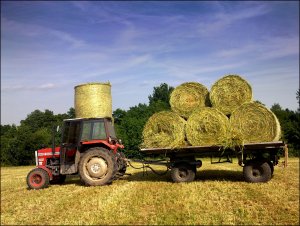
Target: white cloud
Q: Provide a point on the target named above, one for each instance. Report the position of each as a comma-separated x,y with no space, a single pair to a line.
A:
16,28
221,20
46,86
264,49
276,47
15,88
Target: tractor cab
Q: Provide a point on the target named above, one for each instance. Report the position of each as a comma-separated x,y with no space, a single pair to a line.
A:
78,135
89,147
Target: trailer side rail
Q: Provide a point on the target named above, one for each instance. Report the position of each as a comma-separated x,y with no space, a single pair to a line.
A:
213,148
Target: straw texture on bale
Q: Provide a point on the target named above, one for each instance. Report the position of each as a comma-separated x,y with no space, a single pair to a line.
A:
207,126
252,122
93,100
164,129
229,92
187,97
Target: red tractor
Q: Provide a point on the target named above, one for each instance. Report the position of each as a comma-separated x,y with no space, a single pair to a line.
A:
89,148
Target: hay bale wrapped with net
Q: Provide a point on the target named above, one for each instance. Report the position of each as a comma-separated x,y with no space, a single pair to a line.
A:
187,97
164,129
229,92
207,126
252,122
93,100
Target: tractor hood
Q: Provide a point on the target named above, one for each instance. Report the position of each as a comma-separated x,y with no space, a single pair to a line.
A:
48,152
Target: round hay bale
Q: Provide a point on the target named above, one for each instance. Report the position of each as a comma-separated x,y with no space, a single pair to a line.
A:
93,100
164,129
187,97
207,126
252,122
229,92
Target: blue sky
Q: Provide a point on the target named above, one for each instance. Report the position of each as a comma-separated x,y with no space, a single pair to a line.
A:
47,48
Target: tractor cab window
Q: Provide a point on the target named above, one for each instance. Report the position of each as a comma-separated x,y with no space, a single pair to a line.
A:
98,131
111,130
71,132
93,130
86,131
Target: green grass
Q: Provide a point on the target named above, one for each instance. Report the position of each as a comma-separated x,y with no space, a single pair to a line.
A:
218,196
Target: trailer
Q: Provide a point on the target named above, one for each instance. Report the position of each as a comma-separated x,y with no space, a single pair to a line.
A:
257,159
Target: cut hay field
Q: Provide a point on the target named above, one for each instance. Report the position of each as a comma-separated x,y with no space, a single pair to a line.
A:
218,196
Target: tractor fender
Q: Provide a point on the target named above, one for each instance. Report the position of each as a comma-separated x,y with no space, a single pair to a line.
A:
47,170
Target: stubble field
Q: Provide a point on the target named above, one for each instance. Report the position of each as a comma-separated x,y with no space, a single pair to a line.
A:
217,196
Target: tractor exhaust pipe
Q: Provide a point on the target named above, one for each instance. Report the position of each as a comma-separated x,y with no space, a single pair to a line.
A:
53,140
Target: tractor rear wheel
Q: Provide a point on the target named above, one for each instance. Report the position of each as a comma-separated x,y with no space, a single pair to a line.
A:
38,179
97,167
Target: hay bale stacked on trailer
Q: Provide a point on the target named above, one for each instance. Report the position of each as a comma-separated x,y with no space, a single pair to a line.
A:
170,126
230,92
187,97
207,126
164,129
252,123
224,116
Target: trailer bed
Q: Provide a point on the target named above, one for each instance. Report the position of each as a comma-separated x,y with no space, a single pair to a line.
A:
214,148
257,159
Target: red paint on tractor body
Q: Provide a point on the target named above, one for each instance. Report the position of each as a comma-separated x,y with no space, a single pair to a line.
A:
45,153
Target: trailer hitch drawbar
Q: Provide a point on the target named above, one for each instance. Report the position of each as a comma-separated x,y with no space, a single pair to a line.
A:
146,165
167,164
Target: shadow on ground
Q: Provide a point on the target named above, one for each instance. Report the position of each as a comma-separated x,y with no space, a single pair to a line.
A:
202,175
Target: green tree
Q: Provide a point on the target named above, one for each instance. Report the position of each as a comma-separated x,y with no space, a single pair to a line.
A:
8,135
129,124
129,127
18,143
161,93
118,115
38,119
290,127
71,113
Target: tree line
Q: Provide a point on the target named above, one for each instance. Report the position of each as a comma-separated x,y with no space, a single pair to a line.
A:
18,143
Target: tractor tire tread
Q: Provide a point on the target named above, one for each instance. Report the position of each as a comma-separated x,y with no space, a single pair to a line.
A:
45,177
112,167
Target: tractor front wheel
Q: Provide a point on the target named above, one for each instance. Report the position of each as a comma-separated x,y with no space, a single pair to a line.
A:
97,167
38,179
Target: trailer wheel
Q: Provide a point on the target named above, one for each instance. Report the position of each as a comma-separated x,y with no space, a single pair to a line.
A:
271,166
97,167
37,179
257,171
183,172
